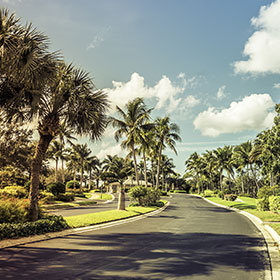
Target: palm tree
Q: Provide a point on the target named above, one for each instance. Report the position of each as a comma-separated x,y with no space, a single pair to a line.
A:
146,141
224,161
167,134
73,164
55,153
34,84
118,171
90,164
83,153
129,125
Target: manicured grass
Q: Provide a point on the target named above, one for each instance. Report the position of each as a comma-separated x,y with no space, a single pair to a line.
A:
276,227
105,196
249,205
106,216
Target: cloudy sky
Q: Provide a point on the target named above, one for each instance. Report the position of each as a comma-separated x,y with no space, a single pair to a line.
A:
213,66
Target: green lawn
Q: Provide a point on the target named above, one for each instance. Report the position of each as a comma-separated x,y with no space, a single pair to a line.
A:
105,196
249,205
106,216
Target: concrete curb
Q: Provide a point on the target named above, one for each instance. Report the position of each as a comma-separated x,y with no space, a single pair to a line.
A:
36,238
270,235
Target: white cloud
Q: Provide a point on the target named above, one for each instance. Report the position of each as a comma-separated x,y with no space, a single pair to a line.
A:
251,113
98,38
276,85
110,150
262,48
221,92
167,95
189,102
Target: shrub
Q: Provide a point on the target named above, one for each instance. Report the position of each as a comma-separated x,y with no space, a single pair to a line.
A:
66,197
72,185
46,197
56,188
14,191
48,224
230,197
163,193
208,193
274,203
144,196
13,210
263,204
263,197
28,183
221,194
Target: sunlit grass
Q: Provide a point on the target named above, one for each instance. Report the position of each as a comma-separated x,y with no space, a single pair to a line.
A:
249,205
106,216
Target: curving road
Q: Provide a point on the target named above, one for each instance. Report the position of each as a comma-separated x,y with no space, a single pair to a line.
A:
191,239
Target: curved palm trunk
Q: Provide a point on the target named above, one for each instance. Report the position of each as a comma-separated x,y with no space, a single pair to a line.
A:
36,166
121,201
158,166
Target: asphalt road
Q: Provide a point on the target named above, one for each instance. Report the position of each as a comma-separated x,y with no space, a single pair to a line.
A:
99,207
191,239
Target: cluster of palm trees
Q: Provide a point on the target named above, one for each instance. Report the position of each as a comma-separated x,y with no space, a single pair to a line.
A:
36,84
243,168
144,137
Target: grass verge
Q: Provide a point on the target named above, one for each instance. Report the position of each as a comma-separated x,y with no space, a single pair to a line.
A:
106,216
105,196
249,205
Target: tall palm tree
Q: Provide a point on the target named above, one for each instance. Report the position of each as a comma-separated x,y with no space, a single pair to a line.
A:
34,84
55,153
224,161
83,153
131,121
167,134
118,171
90,164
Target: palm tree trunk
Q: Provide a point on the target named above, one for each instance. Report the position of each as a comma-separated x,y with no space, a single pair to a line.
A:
36,166
152,173
62,171
158,166
145,169
56,169
135,165
121,202
82,176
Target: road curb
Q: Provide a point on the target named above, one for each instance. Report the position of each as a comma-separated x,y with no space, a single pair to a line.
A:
36,238
271,237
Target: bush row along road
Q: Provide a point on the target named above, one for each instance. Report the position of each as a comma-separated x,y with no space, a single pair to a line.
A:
191,239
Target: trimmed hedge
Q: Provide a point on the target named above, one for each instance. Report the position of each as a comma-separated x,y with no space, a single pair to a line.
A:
49,224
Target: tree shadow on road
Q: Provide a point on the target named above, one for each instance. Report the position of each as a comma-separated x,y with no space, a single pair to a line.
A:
153,255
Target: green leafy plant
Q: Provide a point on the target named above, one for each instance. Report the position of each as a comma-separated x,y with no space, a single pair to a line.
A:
56,188
48,224
72,185
14,191
144,196
274,203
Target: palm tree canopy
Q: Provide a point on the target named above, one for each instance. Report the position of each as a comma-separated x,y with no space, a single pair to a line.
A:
167,132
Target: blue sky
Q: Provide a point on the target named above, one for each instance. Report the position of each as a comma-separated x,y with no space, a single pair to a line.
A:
212,65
